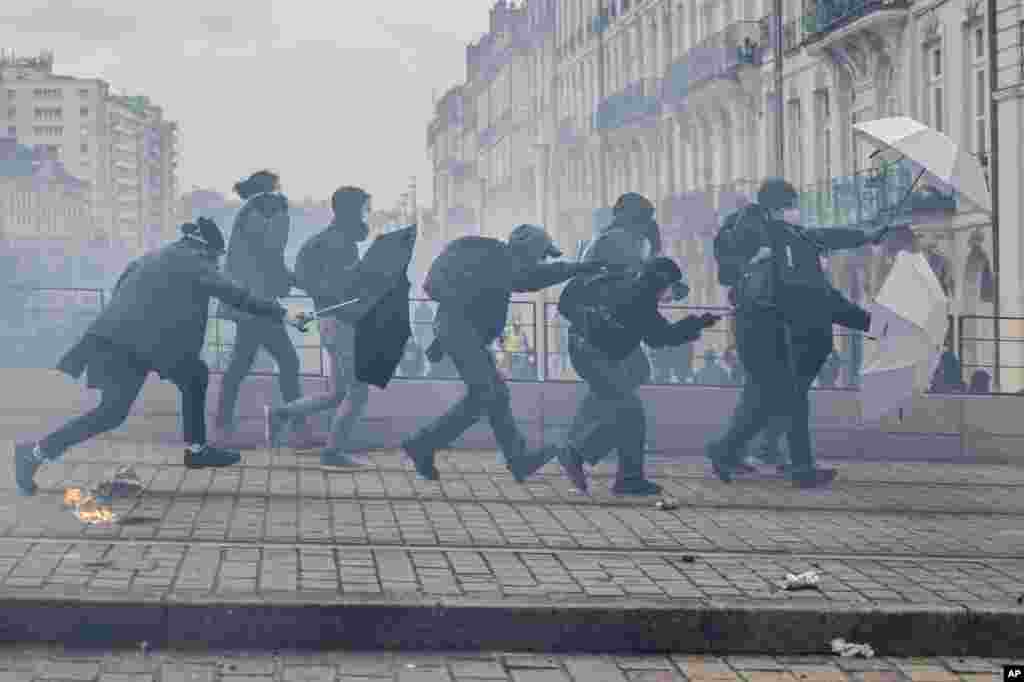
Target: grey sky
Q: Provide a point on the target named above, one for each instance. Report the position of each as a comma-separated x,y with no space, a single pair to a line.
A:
325,93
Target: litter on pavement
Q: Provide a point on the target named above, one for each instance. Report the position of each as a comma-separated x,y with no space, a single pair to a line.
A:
847,649
667,504
808,580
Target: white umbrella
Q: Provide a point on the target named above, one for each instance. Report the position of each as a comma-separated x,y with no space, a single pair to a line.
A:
908,318
933,152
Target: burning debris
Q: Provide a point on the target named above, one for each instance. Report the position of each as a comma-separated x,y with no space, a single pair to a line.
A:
94,505
847,649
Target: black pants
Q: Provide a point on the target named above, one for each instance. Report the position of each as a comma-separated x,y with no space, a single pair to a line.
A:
611,415
486,391
250,335
191,378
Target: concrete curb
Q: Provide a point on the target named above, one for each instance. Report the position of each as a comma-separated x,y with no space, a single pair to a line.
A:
187,622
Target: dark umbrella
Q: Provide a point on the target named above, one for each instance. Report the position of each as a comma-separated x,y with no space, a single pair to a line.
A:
383,328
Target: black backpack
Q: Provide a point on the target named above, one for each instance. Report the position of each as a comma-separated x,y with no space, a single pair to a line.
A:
727,249
588,302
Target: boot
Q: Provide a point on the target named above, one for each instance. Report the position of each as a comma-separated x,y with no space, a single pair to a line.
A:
423,459
572,464
303,437
28,457
816,478
715,452
275,424
636,486
334,457
529,463
630,479
209,456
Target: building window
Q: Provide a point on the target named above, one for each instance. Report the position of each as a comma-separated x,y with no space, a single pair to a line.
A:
934,90
83,92
12,94
12,112
84,148
48,92
12,131
48,130
83,111
978,84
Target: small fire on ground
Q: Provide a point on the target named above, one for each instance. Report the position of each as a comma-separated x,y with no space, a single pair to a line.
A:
86,508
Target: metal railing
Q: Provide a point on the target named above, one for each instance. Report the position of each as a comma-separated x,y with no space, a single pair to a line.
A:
40,324
829,15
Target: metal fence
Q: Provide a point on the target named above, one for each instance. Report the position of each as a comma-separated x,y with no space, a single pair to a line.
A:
40,324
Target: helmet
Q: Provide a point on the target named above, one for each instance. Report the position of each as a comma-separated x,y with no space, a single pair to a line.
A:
776,193
634,205
534,239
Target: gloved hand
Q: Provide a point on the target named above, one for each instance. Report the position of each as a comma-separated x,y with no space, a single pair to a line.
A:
709,320
590,268
299,320
878,236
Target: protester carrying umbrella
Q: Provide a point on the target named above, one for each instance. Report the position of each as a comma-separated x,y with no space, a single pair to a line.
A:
155,322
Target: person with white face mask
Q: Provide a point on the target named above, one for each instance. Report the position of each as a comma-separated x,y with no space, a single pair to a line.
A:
785,309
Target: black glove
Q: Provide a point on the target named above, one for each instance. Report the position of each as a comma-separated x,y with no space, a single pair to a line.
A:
590,268
878,236
709,320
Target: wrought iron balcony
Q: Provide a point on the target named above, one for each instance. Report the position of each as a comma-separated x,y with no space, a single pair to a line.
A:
825,16
719,56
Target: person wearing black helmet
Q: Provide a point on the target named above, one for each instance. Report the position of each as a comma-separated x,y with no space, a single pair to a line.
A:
610,315
155,322
785,309
472,281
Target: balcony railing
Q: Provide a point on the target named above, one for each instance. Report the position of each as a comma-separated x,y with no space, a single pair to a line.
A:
825,16
719,56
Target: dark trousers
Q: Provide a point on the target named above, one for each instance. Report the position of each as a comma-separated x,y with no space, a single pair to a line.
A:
486,391
780,366
846,314
191,378
611,415
250,335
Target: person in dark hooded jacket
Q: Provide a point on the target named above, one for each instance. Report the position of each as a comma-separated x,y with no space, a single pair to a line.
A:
324,269
472,281
611,415
255,260
155,321
782,339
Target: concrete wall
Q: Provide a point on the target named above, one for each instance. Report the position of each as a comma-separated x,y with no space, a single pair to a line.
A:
682,418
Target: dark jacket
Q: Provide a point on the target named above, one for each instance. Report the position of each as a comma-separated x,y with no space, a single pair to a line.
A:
622,244
160,306
485,303
325,266
255,258
633,304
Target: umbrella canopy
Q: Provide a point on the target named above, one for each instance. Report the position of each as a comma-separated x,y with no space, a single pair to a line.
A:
909,318
933,151
381,283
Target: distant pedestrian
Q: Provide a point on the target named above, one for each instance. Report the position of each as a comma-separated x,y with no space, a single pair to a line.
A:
155,322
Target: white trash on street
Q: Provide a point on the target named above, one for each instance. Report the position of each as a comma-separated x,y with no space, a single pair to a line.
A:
808,580
847,649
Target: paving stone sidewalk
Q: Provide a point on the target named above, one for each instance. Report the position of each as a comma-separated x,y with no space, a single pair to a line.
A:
58,665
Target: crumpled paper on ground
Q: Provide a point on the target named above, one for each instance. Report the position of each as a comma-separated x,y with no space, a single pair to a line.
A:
847,649
667,504
808,580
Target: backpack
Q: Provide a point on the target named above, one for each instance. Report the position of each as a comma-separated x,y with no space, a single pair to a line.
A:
466,267
588,303
731,262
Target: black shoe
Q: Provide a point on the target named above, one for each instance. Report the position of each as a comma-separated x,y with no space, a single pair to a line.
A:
572,465
25,466
745,468
722,470
529,463
210,456
422,459
636,486
814,479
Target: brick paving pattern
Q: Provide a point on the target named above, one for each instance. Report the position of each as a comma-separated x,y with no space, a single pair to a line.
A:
56,665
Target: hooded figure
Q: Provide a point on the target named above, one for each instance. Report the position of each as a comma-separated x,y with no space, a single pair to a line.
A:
785,309
324,268
610,315
155,322
472,280
256,260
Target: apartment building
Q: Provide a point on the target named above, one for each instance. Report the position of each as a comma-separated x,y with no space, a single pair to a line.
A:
568,104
